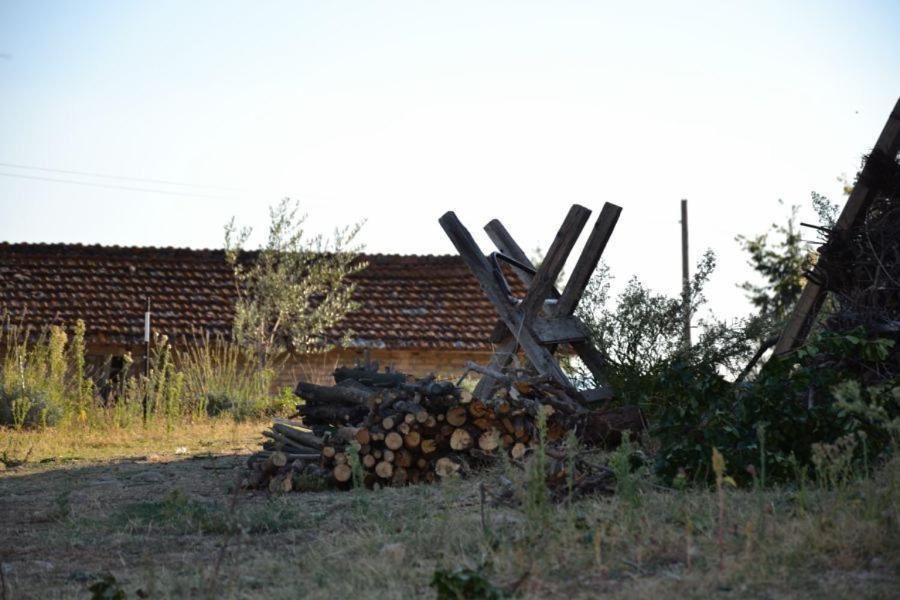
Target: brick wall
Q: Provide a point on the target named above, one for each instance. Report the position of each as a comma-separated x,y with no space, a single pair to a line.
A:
318,368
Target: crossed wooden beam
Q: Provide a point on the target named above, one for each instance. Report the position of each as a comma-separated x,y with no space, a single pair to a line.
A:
545,318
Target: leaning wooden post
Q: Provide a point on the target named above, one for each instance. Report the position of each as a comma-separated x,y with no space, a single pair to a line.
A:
813,295
515,320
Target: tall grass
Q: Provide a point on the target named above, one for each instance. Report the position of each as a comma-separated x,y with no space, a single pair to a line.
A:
47,379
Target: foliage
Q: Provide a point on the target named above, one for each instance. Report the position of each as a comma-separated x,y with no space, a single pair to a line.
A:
642,333
222,377
106,588
293,289
798,400
46,380
34,379
464,584
782,264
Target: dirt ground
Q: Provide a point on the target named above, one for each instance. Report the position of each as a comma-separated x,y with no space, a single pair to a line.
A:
172,525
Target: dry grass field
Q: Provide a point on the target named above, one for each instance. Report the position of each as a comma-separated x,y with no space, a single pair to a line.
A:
160,514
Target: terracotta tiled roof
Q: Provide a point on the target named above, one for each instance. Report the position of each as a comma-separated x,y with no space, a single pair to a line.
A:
407,301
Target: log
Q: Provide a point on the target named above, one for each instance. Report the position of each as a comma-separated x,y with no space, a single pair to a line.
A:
461,439
299,437
393,440
604,428
428,446
518,450
342,472
412,439
369,378
390,421
399,477
384,469
339,394
456,416
368,461
419,414
403,458
489,440
446,466
330,414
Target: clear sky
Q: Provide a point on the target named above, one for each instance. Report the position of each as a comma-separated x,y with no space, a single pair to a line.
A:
396,112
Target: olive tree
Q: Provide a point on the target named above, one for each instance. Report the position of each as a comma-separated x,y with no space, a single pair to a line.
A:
293,289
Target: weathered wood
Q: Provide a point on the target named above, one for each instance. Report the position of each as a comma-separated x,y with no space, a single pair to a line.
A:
301,437
342,472
559,330
368,377
446,466
605,428
384,469
332,394
811,299
590,257
461,439
508,346
553,262
456,416
502,356
471,254
393,440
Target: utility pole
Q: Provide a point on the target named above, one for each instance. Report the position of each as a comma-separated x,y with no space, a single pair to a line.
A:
685,276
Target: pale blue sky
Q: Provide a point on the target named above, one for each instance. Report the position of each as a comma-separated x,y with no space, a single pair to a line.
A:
395,112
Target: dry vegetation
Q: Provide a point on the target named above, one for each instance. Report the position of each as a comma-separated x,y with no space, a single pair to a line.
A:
166,524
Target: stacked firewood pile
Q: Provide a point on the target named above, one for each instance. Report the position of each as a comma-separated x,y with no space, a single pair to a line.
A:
386,428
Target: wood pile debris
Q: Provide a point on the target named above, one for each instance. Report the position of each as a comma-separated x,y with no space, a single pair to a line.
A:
388,429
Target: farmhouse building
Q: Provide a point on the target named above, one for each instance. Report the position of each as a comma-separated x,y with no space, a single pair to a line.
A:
420,314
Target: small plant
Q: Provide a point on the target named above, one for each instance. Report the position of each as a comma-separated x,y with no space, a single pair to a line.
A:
465,584
626,479
718,465
106,588
537,503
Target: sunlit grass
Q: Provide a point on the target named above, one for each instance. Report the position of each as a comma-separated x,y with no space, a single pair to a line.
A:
69,442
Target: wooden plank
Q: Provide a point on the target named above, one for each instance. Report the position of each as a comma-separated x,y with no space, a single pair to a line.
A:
589,355
558,330
555,259
813,295
503,355
508,246
471,254
594,361
590,257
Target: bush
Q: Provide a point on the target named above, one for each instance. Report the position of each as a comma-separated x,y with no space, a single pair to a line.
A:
813,397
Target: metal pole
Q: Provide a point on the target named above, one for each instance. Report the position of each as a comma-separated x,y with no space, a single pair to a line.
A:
685,276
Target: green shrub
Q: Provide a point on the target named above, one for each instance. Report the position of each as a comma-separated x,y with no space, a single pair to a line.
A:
814,396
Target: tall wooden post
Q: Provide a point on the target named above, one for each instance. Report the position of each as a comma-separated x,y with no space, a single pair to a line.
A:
685,276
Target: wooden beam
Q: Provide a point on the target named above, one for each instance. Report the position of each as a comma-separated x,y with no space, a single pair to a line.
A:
545,278
590,257
503,355
471,254
813,295
589,355
507,245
